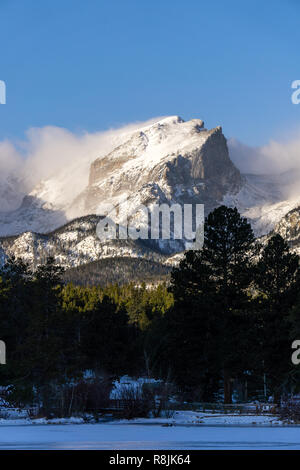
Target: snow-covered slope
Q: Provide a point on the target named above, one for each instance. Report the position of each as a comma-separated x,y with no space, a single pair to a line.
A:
75,244
265,199
289,228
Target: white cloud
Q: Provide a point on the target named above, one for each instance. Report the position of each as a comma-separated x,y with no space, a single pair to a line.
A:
10,160
273,158
51,150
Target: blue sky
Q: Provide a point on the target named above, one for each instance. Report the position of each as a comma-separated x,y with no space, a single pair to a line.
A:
88,65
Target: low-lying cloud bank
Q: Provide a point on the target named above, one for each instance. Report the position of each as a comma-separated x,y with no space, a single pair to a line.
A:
274,158
281,158
49,150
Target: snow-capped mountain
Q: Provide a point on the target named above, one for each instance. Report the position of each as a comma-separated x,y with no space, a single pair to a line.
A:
171,161
168,161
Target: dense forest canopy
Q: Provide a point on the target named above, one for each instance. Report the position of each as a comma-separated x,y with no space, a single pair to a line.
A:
224,323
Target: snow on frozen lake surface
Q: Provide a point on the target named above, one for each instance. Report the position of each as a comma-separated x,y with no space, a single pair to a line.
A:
185,430
143,436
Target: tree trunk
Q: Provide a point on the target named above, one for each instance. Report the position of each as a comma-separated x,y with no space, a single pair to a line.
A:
227,388
277,396
246,391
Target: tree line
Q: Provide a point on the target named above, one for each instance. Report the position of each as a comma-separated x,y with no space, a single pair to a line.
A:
223,325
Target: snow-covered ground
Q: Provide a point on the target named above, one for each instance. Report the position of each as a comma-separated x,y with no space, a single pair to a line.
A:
206,419
15,417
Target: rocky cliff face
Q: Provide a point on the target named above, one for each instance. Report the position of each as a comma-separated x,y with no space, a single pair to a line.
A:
171,161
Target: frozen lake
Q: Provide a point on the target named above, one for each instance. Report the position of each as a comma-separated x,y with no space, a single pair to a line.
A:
138,436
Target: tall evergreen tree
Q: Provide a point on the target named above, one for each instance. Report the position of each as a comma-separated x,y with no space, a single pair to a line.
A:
210,293
229,249
44,350
277,279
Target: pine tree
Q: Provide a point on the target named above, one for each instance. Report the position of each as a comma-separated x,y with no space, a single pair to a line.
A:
44,359
277,279
211,300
